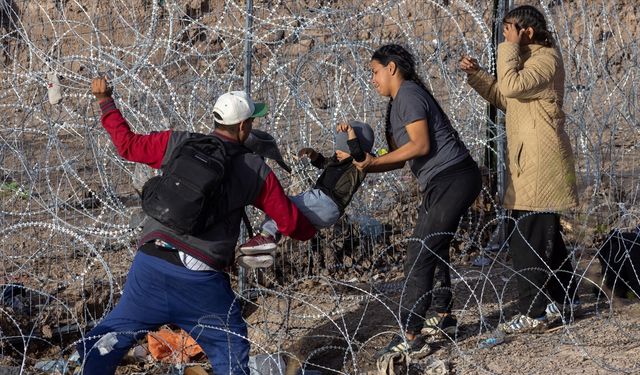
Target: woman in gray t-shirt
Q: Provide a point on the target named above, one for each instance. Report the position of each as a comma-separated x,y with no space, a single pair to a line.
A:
420,133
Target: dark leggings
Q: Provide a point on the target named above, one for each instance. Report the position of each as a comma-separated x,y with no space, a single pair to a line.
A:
540,257
447,197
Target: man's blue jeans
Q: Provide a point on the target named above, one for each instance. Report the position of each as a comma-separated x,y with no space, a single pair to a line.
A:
158,292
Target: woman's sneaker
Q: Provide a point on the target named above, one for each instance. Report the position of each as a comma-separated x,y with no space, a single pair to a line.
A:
259,244
400,344
553,312
523,324
255,261
437,325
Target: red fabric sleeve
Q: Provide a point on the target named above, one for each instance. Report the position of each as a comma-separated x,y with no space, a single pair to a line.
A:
141,148
275,203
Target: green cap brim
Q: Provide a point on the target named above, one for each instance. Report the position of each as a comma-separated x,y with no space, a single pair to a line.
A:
260,110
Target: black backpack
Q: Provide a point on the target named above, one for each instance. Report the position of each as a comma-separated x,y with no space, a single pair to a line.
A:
188,196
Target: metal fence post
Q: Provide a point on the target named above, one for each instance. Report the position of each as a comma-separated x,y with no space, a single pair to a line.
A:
248,55
248,46
496,131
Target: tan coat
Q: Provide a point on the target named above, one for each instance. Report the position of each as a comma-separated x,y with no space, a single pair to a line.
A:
530,90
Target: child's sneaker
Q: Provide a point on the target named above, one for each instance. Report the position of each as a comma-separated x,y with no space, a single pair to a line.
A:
255,261
440,326
400,344
259,244
523,324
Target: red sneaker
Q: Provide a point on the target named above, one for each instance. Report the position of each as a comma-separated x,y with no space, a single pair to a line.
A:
259,244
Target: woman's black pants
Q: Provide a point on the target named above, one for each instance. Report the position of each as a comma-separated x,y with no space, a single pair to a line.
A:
544,271
447,197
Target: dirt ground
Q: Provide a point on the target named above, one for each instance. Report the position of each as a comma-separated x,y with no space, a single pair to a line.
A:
603,338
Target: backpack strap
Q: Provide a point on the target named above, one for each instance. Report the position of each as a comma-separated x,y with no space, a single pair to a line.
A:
247,223
235,151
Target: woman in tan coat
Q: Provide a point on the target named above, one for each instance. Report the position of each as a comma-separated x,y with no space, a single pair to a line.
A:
541,177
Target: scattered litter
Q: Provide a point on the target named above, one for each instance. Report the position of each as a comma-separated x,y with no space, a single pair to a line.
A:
267,364
481,261
492,341
436,367
74,358
67,329
53,88
403,363
172,346
393,363
58,366
138,353
176,370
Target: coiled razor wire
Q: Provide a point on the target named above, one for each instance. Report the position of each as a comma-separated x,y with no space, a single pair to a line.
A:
70,213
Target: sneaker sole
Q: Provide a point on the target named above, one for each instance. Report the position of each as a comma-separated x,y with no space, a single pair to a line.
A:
257,250
255,262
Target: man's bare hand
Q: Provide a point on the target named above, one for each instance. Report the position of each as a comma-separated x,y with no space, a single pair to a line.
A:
100,88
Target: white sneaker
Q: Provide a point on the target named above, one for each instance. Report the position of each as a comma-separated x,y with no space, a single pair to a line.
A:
553,312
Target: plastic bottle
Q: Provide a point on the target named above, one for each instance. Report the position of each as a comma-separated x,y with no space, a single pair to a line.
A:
491,342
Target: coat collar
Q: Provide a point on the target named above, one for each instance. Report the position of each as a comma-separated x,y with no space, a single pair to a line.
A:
531,48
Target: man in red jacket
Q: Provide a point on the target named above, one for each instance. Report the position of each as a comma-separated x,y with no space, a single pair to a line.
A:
180,278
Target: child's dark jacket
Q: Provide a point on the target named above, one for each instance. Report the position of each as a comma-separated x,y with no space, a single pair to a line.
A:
340,179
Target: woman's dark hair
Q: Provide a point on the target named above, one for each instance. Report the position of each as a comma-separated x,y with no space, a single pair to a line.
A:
406,65
528,16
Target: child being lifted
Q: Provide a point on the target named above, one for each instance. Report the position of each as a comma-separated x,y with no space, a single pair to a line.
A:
325,203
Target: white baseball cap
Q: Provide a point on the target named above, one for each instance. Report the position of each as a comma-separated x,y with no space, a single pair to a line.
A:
236,106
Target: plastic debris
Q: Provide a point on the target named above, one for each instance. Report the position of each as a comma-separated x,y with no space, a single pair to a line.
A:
481,261
267,364
172,346
58,366
138,353
53,88
491,341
